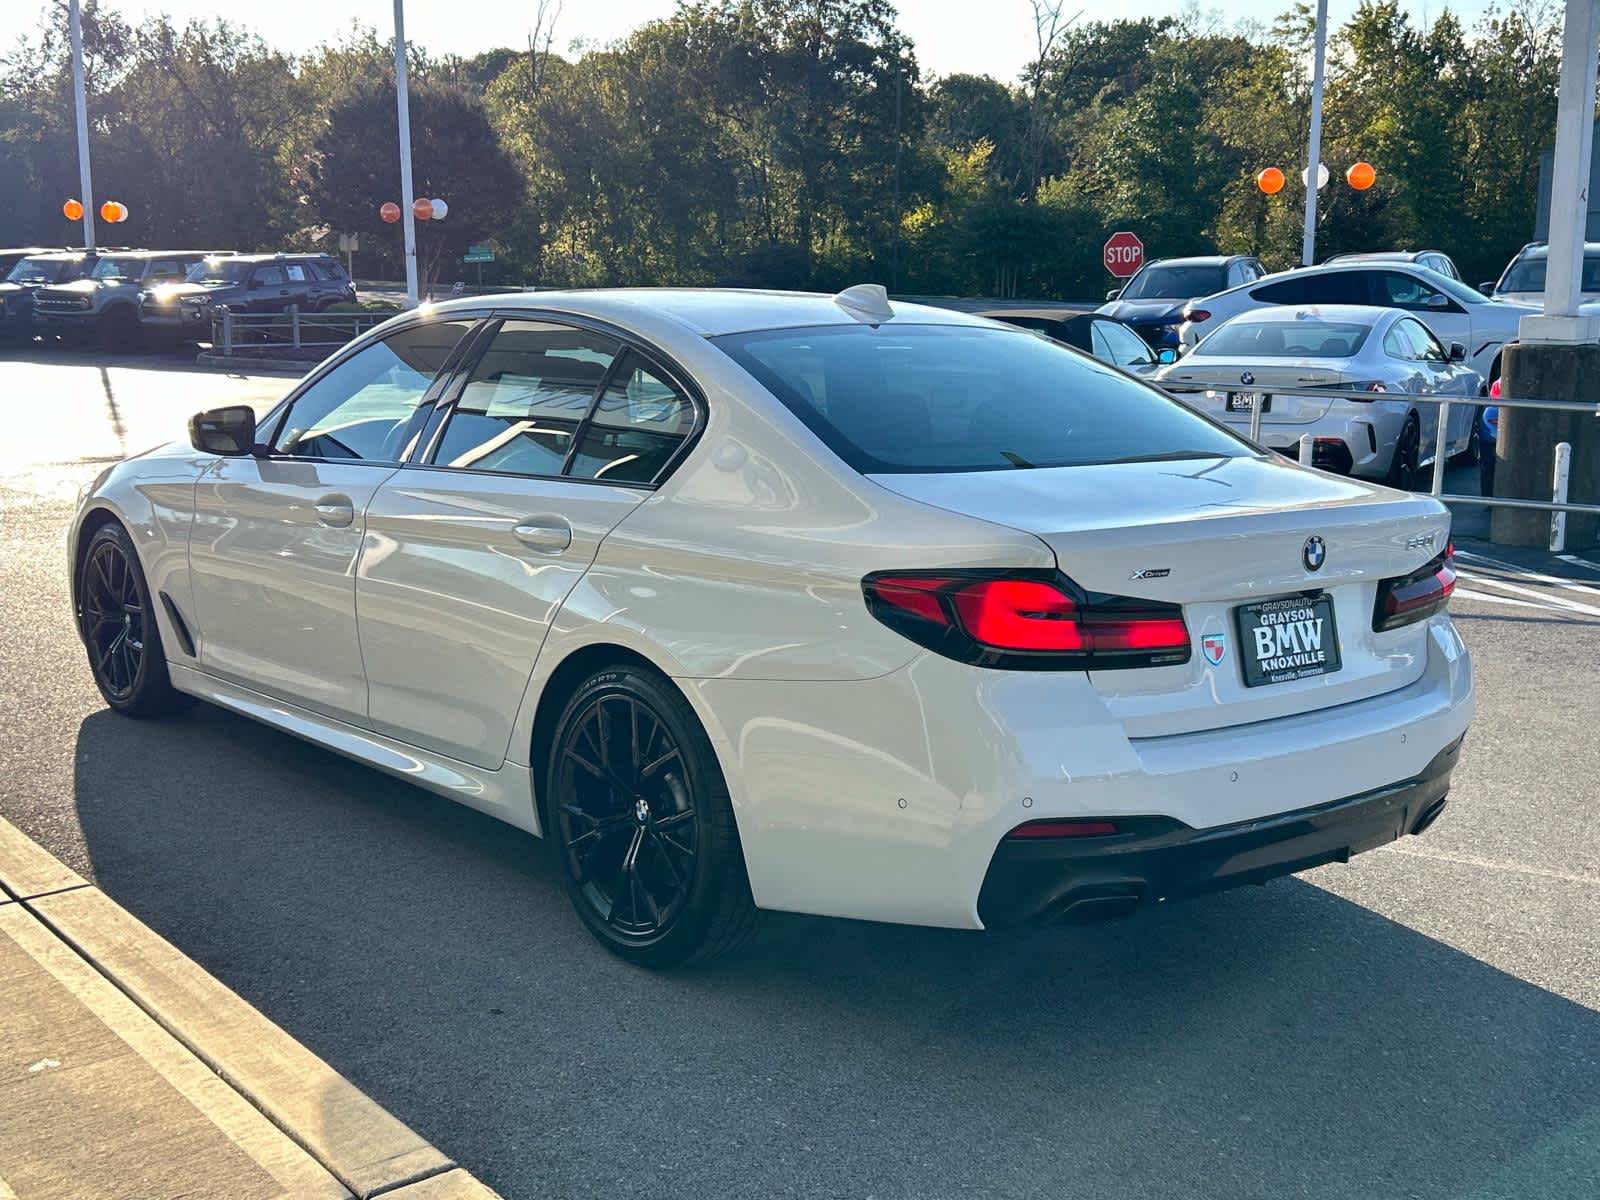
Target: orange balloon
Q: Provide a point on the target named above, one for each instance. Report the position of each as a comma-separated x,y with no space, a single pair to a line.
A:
113,211
390,212
1360,176
72,210
422,208
1270,181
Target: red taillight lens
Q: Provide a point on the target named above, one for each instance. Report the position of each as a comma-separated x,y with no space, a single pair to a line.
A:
1196,315
1417,596
1064,829
1026,620
1494,388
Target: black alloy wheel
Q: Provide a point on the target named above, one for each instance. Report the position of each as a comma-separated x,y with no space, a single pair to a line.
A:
641,822
117,621
1403,470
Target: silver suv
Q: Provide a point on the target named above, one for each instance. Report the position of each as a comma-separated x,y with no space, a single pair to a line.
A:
105,304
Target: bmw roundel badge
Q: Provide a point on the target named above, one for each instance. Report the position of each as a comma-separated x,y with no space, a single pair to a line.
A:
1247,377
1314,554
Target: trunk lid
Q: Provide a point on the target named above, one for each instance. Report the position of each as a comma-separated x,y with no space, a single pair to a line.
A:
1205,387
1211,535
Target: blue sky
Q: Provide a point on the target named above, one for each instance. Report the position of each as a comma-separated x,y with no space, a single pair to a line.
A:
992,36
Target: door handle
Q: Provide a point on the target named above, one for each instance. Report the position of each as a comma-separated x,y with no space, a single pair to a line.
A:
335,510
551,535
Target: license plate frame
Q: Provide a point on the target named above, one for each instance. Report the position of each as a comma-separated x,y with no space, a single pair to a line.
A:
1245,402
1300,651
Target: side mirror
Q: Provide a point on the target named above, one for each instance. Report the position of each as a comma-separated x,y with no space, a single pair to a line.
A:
1458,352
1436,301
1486,288
1113,293
1166,356
227,431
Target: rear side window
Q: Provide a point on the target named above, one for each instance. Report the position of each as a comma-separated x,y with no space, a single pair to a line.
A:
525,399
640,422
939,398
269,276
1340,287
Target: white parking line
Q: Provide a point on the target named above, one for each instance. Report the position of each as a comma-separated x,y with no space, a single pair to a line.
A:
1546,599
1488,598
1571,585
1579,562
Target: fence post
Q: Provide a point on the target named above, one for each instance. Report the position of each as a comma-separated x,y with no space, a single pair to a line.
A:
294,323
1441,446
1558,521
1308,447
227,331
1255,418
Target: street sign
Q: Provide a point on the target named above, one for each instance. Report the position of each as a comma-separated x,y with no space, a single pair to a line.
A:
349,242
478,254
1123,254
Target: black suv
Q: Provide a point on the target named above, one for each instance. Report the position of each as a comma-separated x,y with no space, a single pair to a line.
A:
27,275
243,283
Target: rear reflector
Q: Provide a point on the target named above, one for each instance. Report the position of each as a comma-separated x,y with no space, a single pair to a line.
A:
1063,829
1417,596
1026,619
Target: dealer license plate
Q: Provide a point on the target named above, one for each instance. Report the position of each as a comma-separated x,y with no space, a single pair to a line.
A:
1285,640
1246,402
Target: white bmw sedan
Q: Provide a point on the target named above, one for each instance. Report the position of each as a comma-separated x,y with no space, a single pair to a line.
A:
1286,360
772,601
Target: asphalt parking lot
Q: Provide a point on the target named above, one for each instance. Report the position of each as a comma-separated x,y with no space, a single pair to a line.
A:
1424,1022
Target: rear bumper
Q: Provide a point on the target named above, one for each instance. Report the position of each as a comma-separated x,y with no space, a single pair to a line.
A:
1159,858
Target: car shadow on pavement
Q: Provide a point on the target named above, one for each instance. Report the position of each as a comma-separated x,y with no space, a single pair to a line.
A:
1262,1043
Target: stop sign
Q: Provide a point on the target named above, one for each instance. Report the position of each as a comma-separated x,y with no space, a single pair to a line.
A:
1123,254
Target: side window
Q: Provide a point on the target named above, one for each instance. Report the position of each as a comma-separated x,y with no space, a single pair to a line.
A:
1424,345
1406,291
165,270
642,419
268,276
362,409
297,273
1396,344
1120,345
525,399
1335,287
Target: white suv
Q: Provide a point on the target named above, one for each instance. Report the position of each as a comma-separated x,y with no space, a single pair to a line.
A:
1450,309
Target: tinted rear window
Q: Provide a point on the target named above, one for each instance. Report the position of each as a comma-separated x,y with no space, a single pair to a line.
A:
931,398
1176,283
1285,339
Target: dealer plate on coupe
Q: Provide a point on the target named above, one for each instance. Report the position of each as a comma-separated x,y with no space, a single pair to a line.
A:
1246,401
1284,640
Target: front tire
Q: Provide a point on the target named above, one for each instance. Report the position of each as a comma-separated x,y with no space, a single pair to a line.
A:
116,618
639,820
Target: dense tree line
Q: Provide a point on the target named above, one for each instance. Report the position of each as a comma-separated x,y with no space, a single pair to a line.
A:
797,143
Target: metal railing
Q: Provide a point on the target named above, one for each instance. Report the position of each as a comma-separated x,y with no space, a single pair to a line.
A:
233,332
1558,505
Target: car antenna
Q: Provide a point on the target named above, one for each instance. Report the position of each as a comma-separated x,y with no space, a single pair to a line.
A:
868,302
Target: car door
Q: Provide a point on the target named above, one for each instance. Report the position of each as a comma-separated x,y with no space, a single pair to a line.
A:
1115,343
1411,293
268,289
1445,379
471,552
275,538
299,285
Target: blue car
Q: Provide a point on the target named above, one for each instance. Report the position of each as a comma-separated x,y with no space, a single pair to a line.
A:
1152,302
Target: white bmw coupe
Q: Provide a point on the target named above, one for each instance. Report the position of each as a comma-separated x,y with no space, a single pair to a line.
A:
748,600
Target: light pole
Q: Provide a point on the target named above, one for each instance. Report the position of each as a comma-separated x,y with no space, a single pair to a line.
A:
404,107
1308,243
75,36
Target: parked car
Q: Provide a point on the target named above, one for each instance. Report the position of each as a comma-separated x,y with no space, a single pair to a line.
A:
1107,338
11,256
1279,358
244,283
1152,302
27,275
1522,282
1450,309
1434,260
105,303
754,600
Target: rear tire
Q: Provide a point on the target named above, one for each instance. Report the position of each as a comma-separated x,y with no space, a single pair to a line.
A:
1474,449
116,618
639,820
1403,470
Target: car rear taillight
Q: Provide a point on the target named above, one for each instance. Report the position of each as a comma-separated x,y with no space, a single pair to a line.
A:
1417,596
1196,315
1494,388
1024,620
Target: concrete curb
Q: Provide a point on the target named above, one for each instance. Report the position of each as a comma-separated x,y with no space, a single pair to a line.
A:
236,364
351,1136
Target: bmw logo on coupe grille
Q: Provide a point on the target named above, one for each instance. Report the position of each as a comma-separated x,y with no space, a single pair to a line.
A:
1314,554
1247,377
